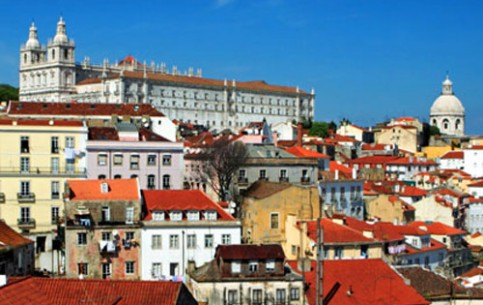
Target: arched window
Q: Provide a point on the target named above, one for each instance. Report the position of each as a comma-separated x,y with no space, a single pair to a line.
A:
117,176
101,177
66,54
457,124
25,58
445,124
434,122
53,54
151,182
166,182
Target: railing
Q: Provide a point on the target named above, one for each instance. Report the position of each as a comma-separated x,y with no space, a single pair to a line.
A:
26,197
305,180
26,223
42,171
242,180
2,197
283,179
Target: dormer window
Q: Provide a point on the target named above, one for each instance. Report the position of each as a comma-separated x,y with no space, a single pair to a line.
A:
270,265
235,267
210,215
176,216
158,216
104,187
193,215
253,266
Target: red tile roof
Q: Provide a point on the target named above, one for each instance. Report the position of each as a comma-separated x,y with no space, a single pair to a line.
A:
453,155
334,165
405,119
335,233
396,200
119,189
437,228
434,245
476,184
411,161
35,122
129,61
80,109
375,146
374,160
305,153
181,200
361,282
264,189
256,85
411,191
43,291
10,238
475,147
246,251
386,231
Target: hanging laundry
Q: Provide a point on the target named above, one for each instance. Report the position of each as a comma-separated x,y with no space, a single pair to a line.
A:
69,153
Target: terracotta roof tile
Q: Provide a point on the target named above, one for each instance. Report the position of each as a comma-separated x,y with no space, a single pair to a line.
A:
437,228
453,155
119,189
305,153
476,184
181,200
263,189
37,122
10,238
335,233
249,251
362,282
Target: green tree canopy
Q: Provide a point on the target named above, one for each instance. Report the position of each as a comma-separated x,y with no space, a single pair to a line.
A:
8,93
321,129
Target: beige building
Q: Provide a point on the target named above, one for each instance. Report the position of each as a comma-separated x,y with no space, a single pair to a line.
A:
390,208
36,158
434,208
270,210
406,137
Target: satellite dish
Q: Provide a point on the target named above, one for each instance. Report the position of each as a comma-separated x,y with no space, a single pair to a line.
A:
231,211
232,204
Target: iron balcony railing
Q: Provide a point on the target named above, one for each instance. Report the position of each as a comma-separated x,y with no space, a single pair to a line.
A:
26,223
32,171
26,197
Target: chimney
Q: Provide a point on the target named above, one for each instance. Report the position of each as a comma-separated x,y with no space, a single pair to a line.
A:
336,174
299,134
354,173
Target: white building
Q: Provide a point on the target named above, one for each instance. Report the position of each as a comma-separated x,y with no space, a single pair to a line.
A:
51,74
447,112
182,226
473,160
452,160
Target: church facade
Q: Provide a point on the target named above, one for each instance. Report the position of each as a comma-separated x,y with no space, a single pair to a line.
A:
447,112
51,74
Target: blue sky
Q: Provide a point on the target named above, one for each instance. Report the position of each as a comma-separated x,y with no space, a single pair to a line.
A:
368,60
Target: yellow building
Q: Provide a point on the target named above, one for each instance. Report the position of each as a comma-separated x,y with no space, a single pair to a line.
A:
36,158
433,152
270,209
406,137
390,208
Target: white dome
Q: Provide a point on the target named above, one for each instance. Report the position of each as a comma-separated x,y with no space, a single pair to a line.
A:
61,36
33,41
447,104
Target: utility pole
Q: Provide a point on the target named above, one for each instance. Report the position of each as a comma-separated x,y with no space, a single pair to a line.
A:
319,267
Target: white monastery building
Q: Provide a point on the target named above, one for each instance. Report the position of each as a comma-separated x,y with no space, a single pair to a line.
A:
51,74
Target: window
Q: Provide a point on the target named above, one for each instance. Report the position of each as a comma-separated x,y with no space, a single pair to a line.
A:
55,189
294,294
257,297
129,215
191,241
174,241
54,165
69,166
24,188
54,214
24,214
151,160
166,160
270,265
101,177
166,182
283,173
208,240
253,266
156,270
102,159
176,216
82,238
82,268
235,267
129,235
54,145
129,267
105,214
117,176
263,174
106,236
242,173
274,220
134,162
69,142
193,215
156,242
158,216
24,144
25,165
226,239
338,252
40,244
117,159
280,296
106,270
232,297
211,215
173,269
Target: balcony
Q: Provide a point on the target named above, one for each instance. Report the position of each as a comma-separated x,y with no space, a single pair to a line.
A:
283,179
26,223
107,247
305,180
242,180
26,197
43,171
2,197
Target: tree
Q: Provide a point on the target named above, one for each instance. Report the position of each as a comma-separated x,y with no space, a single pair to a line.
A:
222,160
8,93
434,131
